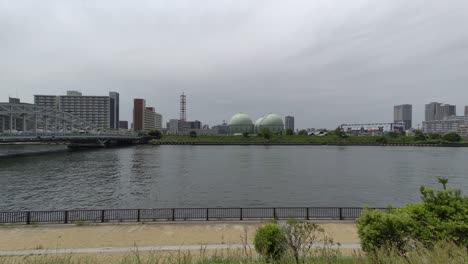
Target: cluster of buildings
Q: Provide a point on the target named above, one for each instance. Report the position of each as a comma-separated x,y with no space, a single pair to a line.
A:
442,118
104,113
439,118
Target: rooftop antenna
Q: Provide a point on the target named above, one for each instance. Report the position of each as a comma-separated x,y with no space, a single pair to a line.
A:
183,107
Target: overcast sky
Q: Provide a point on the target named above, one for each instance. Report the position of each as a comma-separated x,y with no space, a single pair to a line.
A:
326,62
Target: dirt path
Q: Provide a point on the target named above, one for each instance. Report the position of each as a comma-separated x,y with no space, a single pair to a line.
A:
148,234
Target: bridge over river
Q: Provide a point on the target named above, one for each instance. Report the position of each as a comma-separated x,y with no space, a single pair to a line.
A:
20,122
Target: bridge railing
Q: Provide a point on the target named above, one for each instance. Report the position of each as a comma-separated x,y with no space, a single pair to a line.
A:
71,134
181,214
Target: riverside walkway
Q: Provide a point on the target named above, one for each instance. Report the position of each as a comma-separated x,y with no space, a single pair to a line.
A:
20,240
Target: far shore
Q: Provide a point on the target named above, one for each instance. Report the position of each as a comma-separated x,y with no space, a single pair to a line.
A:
305,140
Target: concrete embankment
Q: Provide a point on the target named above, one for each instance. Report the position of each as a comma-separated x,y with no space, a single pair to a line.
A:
21,149
307,144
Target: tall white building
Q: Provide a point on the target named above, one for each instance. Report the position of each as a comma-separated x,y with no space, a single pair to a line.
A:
158,121
102,111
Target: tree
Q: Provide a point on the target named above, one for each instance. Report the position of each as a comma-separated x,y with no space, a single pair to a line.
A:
452,137
193,134
269,241
289,132
265,133
302,132
419,135
339,132
443,181
245,134
155,133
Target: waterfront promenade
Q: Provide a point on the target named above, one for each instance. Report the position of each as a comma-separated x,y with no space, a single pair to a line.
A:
114,240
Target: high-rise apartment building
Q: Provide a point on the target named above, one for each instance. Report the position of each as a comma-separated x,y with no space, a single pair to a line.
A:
289,122
115,109
466,110
439,111
403,113
149,119
139,106
158,121
145,118
102,111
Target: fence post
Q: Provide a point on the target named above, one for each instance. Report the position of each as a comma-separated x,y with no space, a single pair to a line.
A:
341,213
102,216
66,217
241,216
28,218
274,213
173,214
138,215
207,215
307,213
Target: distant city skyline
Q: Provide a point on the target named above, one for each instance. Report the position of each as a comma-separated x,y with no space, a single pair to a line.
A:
353,59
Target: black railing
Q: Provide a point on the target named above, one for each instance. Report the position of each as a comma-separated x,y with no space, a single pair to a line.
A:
181,214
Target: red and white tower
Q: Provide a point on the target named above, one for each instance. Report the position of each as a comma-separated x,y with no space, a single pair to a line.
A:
183,107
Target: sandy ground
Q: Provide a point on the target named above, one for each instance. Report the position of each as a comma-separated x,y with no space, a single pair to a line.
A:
153,234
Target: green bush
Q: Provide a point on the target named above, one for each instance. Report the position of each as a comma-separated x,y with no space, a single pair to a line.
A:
289,132
419,135
269,241
434,136
245,134
155,133
382,140
193,134
302,132
441,216
451,137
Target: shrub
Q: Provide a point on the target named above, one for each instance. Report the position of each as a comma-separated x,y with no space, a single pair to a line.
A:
245,134
302,132
393,134
419,135
379,230
452,137
289,132
441,216
434,136
269,241
302,236
155,133
193,134
381,140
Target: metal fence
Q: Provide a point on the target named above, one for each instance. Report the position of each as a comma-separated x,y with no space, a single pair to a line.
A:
181,214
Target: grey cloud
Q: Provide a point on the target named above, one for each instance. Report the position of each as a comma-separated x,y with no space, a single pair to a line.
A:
326,62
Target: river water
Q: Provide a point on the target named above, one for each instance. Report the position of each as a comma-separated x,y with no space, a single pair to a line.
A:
147,176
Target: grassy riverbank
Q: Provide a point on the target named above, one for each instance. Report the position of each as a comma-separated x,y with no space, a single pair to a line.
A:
301,139
443,253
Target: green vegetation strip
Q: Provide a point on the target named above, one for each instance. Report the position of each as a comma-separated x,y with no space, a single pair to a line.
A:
304,139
